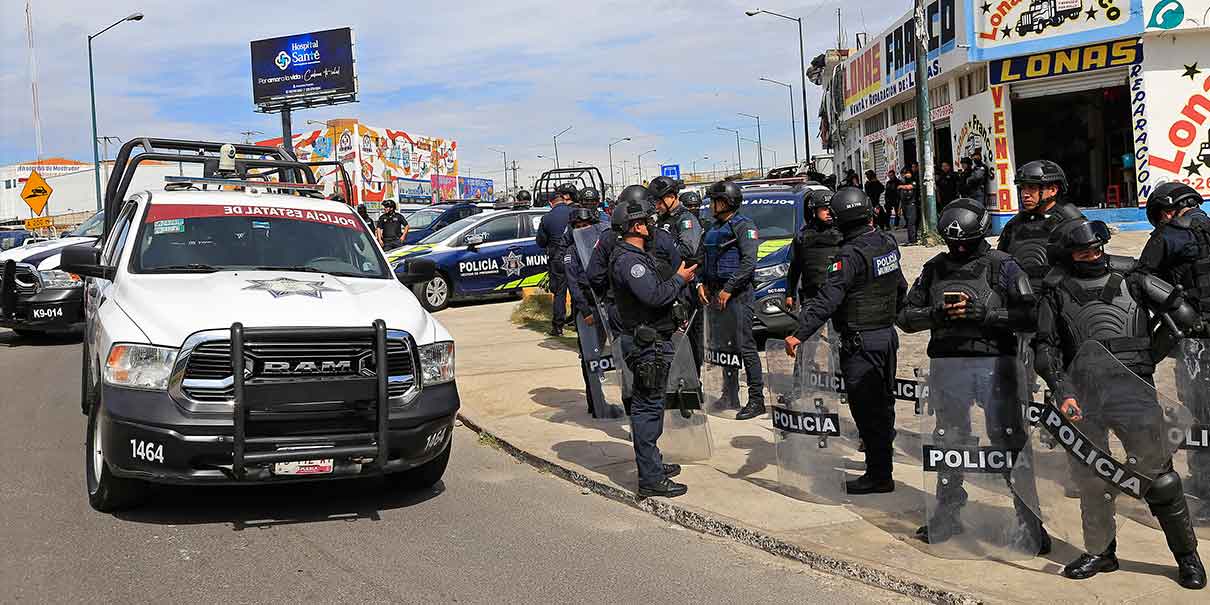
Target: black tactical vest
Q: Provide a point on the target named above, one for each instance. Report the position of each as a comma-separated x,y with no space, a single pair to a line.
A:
873,305
816,252
674,224
1030,233
631,311
1103,309
1195,276
979,278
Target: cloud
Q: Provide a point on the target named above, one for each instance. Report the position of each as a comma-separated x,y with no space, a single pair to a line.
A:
507,75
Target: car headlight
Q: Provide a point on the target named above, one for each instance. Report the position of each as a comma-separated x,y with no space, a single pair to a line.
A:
61,280
765,274
139,366
437,363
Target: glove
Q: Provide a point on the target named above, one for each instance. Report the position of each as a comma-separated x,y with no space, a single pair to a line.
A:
976,311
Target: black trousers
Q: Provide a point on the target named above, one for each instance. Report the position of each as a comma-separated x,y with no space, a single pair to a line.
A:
558,287
867,361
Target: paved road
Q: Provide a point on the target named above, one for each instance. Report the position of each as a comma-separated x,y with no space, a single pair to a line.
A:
493,531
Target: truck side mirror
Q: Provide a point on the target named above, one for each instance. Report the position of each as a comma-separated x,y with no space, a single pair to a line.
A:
86,261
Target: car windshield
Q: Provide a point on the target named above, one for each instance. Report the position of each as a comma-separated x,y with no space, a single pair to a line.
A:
445,232
421,219
193,238
89,228
772,220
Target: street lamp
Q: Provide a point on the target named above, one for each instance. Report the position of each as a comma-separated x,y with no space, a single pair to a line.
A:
759,144
705,157
793,131
556,140
92,93
611,188
501,151
739,158
802,71
641,164
552,160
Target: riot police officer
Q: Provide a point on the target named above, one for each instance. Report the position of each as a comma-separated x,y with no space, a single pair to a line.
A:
731,247
1092,296
692,201
973,299
661,245
1179,253
392,227
686,230
577,278
813,249
1041,184
523,200
551,232
644,301
862,294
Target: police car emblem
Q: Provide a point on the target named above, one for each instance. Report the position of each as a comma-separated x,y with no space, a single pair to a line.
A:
284,286
638,271
512,263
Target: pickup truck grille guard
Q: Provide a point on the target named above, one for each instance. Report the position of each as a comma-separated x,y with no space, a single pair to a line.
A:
262,394
16,279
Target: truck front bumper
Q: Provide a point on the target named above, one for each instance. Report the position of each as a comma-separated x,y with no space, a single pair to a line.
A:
48,310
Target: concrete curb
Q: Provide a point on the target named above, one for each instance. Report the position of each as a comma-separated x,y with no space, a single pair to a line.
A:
725,528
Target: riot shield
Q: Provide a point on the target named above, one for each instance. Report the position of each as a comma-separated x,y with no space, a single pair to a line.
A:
595,340
1122,437
972,430
620,380
723,382
810,421
1186,377
686,436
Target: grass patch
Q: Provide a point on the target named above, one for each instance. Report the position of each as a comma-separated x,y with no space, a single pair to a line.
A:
489,441
534,313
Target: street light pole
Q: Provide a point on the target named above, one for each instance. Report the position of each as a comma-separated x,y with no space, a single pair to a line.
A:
505,168
739,158
802,71
552,160
759,142
641,164
92,94
793,131
556,140
924,134
612,190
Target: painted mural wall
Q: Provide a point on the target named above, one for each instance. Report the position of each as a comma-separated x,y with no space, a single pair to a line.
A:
1172,108
981,126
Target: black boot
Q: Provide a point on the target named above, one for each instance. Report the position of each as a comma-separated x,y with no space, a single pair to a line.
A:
750,411
947,519
1189,571
866,484
672,470
664,489
1089,565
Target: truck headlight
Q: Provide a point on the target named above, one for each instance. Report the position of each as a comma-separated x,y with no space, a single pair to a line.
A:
765,274
139,366
59,280
437,363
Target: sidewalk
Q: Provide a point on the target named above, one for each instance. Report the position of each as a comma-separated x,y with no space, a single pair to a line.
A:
527,392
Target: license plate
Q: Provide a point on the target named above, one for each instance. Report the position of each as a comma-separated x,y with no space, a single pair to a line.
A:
303,467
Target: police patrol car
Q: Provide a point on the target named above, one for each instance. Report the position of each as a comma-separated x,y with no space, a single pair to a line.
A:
483,255
241,328
36,296
776,206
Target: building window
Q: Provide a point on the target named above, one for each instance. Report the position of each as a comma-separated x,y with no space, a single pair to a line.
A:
903,111
973,83
939,96
876,123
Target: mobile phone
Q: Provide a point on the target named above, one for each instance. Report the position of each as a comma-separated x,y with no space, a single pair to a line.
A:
953,298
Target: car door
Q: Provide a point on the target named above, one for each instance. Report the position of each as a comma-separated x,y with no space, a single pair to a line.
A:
493,256
97,290
535,257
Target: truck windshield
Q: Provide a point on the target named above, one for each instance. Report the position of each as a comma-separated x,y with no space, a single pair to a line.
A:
196,238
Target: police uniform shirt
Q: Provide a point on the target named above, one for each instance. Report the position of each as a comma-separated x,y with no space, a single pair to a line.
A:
392,224
553,227
805,271
848,273
743,230
636,278
686,230
1170,249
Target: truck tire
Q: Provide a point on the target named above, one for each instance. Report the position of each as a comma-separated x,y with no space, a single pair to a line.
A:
434,294
424,476
106,493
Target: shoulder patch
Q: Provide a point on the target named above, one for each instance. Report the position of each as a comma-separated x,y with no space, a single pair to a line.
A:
687,224
887,263
750,233
638,270
836,266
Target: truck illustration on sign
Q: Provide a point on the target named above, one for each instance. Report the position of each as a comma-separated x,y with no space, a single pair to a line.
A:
1047,13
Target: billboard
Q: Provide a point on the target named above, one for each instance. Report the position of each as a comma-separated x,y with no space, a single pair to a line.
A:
476,189
445,187
1007,29
416,191
303,70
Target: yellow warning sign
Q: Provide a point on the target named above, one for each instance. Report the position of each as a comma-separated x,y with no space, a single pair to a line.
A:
36,192
39,222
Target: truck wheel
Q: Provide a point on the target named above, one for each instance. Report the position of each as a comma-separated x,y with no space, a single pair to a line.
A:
106,492
434,294
424,476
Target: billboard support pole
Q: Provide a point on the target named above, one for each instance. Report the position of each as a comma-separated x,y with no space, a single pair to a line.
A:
287,135
924,135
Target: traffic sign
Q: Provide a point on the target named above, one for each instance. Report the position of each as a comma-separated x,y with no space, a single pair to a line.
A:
36,192
671,171
39,222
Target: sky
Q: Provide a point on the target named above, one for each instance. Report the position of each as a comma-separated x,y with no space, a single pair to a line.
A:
507,75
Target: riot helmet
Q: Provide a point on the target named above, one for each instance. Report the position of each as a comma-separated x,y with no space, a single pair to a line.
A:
662,186
816,201
567,189
963,225
363,211
632,208
1076,238
1172,195
728,192
1041,173
589,198
524,196
851,208
691,200
582,217
388,205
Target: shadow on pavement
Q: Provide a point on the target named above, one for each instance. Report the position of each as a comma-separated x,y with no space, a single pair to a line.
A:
571,408
10,339
264,506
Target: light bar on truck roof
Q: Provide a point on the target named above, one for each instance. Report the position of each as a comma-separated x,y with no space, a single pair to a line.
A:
243,183
792,180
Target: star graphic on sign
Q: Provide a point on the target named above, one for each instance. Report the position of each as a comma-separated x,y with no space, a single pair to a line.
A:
1092,14
1006,31
1193,168
1191,70
987,7
284,286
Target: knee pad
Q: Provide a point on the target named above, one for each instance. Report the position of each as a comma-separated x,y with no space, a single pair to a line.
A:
1165,489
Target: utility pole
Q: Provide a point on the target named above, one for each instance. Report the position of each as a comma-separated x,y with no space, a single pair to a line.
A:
739,158
760,154
556,140
924,132
516,183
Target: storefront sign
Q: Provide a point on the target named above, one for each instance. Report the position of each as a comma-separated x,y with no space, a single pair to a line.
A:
1004,196
1007,28
1172,115
1138,120
1168,15
1081,59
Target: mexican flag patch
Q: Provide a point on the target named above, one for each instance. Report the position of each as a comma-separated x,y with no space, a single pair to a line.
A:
751,234
687,224
835,267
